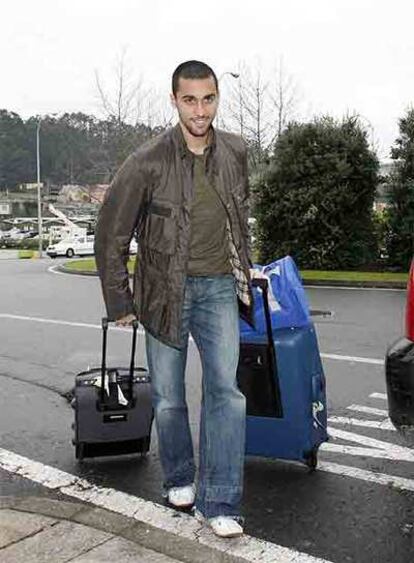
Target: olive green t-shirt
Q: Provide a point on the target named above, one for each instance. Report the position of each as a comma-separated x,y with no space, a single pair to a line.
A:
209,248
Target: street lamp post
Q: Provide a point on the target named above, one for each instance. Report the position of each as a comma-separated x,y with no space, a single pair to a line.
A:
39,199
233,74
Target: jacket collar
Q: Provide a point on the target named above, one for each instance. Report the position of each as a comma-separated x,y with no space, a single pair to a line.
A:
214,161
181,144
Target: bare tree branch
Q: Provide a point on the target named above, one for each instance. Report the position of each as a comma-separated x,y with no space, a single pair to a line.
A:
283,97
125,103
259,107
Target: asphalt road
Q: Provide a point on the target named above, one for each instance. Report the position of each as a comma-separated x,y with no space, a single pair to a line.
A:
358,507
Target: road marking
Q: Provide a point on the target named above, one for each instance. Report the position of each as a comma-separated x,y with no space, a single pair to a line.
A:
250,548
358,451
356,359
383,425
141,331
64,323
55,270
399,483
368,410
372,447
379,396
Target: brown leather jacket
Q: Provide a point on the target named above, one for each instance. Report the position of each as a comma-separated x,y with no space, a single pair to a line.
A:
151,196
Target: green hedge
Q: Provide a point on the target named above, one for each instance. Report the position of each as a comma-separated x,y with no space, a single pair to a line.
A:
25,244
27,253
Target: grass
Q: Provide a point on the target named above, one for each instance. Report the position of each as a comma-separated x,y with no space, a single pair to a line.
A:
88,265
27,253
353,276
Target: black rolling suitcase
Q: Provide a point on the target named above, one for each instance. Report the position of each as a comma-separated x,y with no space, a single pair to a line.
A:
113,409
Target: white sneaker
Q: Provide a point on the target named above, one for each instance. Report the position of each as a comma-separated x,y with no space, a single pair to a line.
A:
222,526
182,497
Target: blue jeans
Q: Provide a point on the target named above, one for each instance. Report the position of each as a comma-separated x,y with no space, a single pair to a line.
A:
210,314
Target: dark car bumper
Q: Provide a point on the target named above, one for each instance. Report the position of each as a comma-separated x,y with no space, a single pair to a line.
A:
399,374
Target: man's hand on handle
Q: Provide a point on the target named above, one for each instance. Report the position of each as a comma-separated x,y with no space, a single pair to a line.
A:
126,321
256,274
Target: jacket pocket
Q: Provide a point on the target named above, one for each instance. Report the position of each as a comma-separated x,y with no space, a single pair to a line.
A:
161,229
160,209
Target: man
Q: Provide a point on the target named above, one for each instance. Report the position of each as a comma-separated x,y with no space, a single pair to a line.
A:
185,195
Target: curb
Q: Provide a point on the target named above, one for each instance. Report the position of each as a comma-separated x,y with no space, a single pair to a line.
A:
62,268
145,535
316,283
369,284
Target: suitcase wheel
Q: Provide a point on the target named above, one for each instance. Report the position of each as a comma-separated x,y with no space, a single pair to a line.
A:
311,459
80,451
145,445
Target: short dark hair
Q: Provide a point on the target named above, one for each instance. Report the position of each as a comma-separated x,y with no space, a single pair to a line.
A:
192,69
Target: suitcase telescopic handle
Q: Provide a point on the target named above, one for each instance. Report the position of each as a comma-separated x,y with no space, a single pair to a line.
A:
263,284
105,325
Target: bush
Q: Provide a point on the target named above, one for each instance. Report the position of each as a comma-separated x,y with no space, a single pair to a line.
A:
315,201
25,244
27,253
400,237
34,244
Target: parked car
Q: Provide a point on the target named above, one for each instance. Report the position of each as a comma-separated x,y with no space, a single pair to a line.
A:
11,233
399,367
22,235
80,246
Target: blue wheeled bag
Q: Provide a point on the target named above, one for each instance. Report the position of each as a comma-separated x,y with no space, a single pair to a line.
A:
281,375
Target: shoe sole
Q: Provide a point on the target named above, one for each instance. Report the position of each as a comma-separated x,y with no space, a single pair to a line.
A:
180,508
227,536
200,518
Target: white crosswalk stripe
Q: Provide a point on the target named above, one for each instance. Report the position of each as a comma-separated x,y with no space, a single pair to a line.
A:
380,425
368,410
379,396
248,548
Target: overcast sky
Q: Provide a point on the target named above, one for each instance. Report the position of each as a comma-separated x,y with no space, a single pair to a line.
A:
344,55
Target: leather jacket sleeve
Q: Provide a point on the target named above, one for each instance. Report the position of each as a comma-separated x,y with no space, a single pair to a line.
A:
244,201
246,191
118,218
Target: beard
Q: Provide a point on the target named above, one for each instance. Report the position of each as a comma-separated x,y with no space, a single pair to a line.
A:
197,130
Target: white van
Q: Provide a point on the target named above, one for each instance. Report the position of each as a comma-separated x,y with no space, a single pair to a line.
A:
81,246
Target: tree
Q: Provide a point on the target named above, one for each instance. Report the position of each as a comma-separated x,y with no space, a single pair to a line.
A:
17,161
315,202
65,146
133,113
123,104
400,239
284,98
247,112
259,107
75,148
